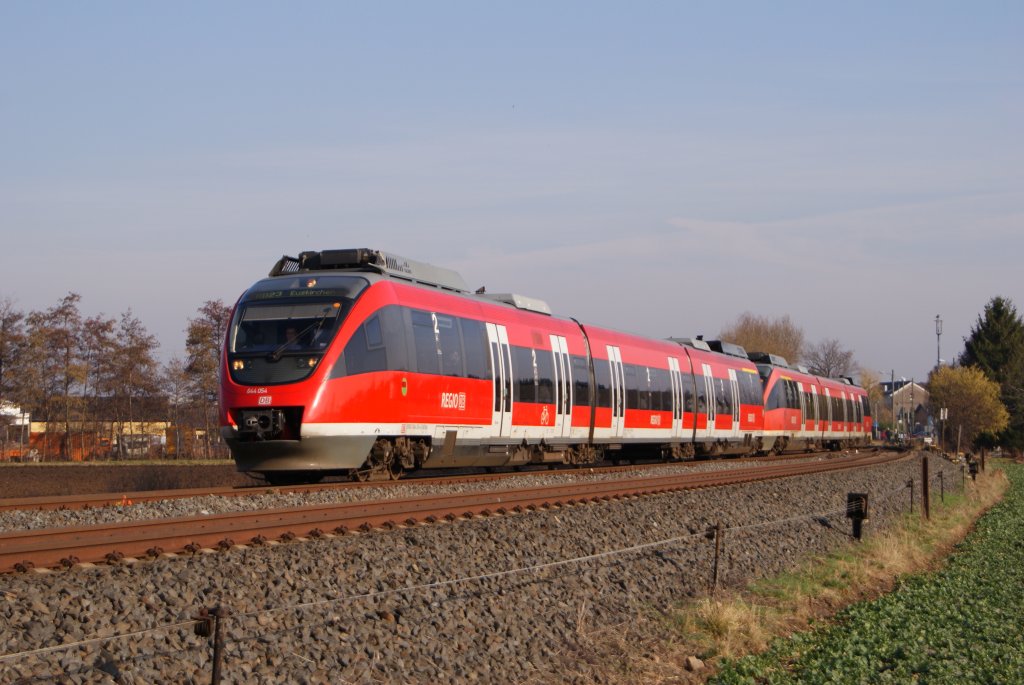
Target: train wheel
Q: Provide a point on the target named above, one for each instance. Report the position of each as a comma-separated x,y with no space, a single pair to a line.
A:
396,471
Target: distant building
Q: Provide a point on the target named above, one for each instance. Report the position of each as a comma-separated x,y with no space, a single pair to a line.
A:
12,414
909,403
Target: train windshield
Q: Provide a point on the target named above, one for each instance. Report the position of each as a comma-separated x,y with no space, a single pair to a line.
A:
279,317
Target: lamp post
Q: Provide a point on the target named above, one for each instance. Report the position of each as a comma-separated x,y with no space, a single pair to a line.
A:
938,338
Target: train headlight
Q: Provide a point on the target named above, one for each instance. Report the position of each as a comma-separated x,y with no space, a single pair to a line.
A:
305,362
238,365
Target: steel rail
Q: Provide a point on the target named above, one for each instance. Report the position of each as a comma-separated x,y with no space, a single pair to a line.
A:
109,499
67,546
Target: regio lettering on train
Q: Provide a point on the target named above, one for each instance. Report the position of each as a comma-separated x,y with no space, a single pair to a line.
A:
453,400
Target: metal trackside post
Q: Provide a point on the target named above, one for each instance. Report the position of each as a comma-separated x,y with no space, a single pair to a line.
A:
717,533
212,625
926,509
857,511
910,486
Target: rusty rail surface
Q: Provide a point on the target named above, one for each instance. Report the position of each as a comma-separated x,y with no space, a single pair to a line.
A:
56,547
107,499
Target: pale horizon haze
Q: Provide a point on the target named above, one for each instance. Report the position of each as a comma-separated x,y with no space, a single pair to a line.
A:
658,168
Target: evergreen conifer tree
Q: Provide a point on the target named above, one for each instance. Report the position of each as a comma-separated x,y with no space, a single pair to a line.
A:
996,346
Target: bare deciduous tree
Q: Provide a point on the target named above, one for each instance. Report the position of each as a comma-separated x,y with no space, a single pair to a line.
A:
52,367
135,373
11,339
206,335
829,359
760,334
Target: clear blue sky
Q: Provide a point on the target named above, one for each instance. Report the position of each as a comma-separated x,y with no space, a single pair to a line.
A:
655,167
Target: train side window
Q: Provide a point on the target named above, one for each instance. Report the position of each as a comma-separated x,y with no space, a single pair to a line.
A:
702,393
425,341
365,351
643,387
723,397
661,390
374,338
450,345
581,381
474,344
632,386
525,389
775,399
545,376
750,388
689,396
393,334
603,380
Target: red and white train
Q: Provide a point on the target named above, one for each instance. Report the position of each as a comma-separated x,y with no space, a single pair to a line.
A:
362,362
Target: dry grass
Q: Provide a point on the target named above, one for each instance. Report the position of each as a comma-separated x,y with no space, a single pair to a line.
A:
735,623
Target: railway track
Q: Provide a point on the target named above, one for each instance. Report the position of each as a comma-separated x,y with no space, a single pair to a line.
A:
66,547
98,500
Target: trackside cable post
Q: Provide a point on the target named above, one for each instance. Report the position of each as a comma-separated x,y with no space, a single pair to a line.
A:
925,489
211,624
717,532
857,511
942,486
910,486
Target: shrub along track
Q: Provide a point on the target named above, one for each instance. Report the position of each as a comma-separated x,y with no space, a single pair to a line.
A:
114,542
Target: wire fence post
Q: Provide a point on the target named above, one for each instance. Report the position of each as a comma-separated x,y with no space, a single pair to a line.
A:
718,533
910,486
220,615
925,489
212,625
942,486
857,511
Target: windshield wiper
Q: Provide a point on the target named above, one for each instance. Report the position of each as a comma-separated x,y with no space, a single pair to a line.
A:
276,354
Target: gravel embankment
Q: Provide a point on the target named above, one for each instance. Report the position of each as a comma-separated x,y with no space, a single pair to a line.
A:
383,607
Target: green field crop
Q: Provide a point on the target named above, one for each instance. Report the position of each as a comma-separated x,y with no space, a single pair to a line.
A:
962,624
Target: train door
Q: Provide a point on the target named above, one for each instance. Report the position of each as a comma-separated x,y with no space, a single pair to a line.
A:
676,380
827,414
803,407
845,419
618,390
816,421
709,388
563,386
501,379
734,388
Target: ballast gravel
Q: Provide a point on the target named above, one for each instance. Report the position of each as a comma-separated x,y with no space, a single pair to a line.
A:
496,599
258,499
